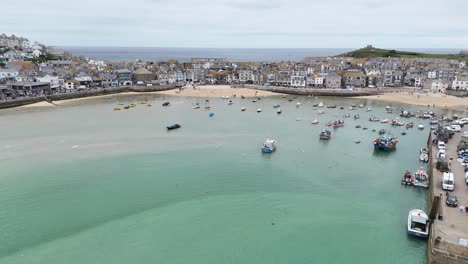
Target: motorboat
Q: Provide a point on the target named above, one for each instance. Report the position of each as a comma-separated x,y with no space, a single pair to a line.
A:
358,126
357,116
325,134
254,101
259,110
315,121
361,106
269,146
320,105
298,104
166,104
279,111
196,107
352,108
382,131
357,141
338,123
385,143
421,126
243,109
368,109
230,102
418,223
321,112
403,133
276,106
433,122
384,120
407,178
424,155
409,125
117,109
329,123
374,119
132,105
175,126
421,179
397,122
346,115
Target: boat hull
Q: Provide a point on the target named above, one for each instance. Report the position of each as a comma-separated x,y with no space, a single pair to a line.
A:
267,150
417,234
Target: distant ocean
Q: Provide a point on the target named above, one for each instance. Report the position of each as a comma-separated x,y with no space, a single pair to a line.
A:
233,54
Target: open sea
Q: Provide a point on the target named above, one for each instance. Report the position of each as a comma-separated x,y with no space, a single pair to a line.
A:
81,183
233,54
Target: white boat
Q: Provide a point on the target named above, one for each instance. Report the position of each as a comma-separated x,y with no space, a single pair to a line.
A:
243,109
358,141
361,106
421,179
421,126
418,223
320,105
196,107
369,109
269,146
352,108
259,110
314,108
384,120
315,121
230,102
278,111
298,104
321,111
374,119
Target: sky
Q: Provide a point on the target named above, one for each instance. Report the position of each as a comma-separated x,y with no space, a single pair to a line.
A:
241,23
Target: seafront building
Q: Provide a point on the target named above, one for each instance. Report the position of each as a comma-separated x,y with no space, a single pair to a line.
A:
24,64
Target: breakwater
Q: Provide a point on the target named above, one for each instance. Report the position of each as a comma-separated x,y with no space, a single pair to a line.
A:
82,94
316,92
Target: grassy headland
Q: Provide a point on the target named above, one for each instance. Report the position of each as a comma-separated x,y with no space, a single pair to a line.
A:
385,53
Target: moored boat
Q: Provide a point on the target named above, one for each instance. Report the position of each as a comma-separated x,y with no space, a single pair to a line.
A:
357,116
175,126
421,178
278,111
338,123
421,126
269,146
243,109
384,120
321,112
418,223
259,110
325,134
407,178
409,125
385,143
276,106
320,105
315,121
374,119
166,104
382,131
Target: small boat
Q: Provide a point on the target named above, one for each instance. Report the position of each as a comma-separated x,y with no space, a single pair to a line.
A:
269,146
421,179
357,116
358,141
211,114
314,108
382,131
358,126
331,106
290,100
279,111
374,119
407,178
321,112
384,120
424,155
196,107
368,109
364,128
230,102
126,107
361,106
120,104
353,105
298,119
403,133
117,109
132,105
325,134
409,125
254,101
207,107
142,102
298,104
351,108
166,104
433,122
397,122
341,107
175,126
338,123
259,110
315,121
346,115
418,223
320,105
149,105
421,126
276,106
329,123
243,97
315,105
243,109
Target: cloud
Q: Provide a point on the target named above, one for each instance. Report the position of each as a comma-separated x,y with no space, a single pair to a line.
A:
241,23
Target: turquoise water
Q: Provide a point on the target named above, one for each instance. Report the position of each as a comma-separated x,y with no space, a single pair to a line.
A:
84,184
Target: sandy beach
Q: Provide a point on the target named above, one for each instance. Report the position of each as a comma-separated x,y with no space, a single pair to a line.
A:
40,104
439,100
217,91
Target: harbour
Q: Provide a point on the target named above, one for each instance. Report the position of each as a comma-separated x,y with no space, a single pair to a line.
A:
207,180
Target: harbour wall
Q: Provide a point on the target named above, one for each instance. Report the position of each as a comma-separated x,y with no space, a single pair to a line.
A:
82,94
439,250
316,92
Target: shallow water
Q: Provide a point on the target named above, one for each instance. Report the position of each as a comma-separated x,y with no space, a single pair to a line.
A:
84,184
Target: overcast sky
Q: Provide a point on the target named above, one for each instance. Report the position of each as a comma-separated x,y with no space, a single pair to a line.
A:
241,23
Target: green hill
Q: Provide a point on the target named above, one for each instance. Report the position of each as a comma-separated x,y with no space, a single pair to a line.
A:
384,53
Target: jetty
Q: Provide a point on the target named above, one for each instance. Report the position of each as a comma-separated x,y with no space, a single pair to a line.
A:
448,239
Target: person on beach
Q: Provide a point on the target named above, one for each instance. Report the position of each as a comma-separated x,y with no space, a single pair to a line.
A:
450,160
462,209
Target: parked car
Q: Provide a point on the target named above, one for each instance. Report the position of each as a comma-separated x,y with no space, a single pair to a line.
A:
466,177
452,200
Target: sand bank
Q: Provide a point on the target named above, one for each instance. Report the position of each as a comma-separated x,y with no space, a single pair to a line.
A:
439,100
40,104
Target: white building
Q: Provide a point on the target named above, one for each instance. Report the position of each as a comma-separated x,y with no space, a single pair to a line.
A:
460,84
36,53
246,75
8,73
298,79
418,82
439,86
432,74
55,82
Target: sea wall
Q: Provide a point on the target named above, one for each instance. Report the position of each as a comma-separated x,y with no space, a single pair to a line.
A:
457,93
316,92
82,94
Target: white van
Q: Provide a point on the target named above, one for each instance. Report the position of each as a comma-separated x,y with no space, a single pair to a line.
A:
448,183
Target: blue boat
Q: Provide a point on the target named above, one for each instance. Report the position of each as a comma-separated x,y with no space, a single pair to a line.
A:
269,146
385,143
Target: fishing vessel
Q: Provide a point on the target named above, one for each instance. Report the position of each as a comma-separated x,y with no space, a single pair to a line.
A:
320,105
384,120
407,178
325,134
385,143
421,178
418,223
269,146
357,116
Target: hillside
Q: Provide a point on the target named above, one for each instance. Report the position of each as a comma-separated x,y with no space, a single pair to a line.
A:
384,53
